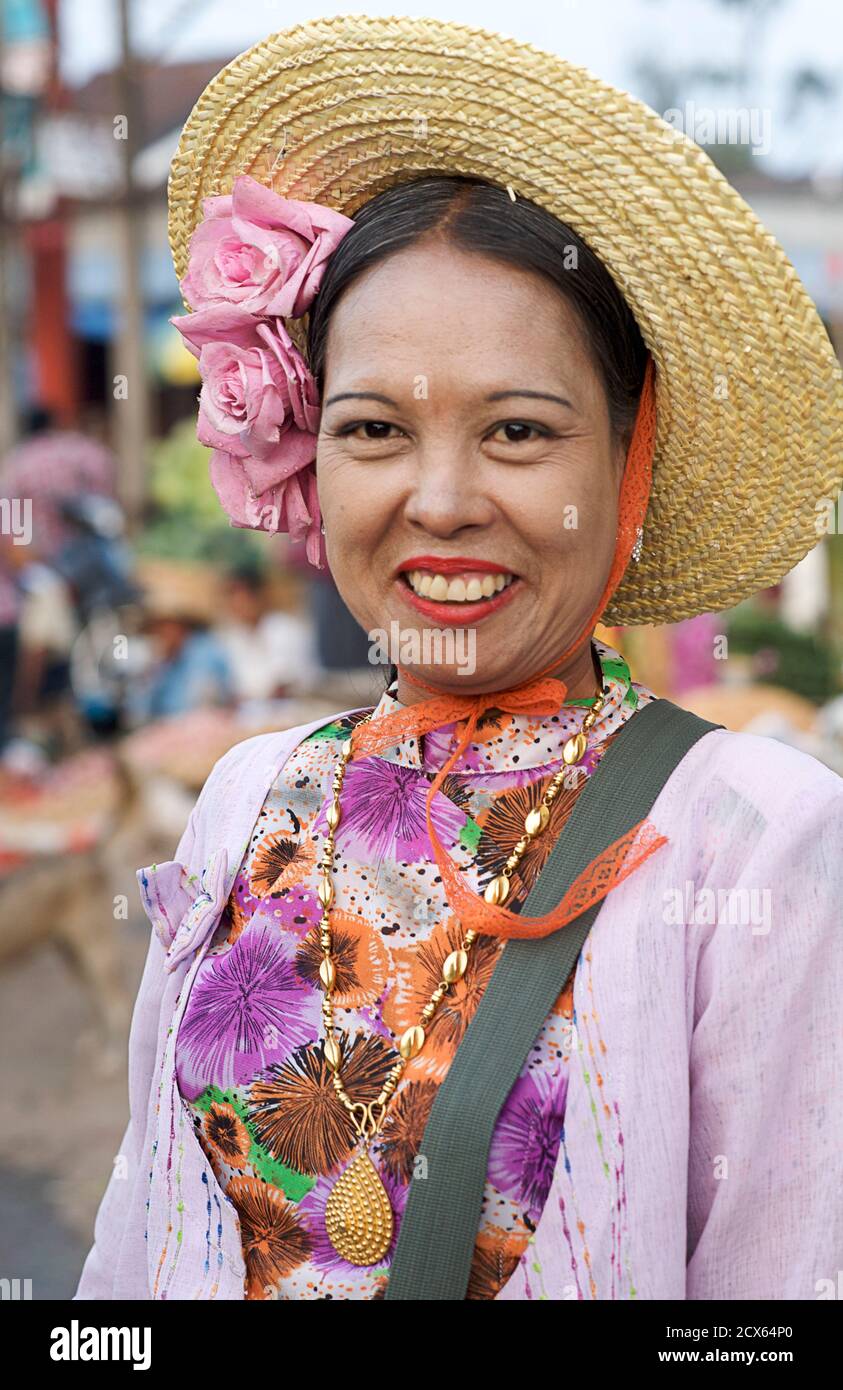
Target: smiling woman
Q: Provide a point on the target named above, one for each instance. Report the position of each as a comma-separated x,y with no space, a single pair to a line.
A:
452,1026
481,305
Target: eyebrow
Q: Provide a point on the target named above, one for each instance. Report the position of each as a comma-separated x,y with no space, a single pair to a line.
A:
362,396
495,396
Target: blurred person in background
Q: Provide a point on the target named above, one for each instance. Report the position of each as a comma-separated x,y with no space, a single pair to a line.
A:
68,607
48,627
38,617
188,667
95,560
10,604
270,653
50,465
96,565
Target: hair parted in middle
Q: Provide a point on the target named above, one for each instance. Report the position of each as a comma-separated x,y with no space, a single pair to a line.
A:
476,216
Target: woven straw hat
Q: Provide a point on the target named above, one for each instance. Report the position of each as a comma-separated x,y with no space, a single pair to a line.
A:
749,391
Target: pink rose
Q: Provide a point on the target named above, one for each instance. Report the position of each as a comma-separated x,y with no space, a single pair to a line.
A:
259,413
261,252
258,399
256,259
221,324
291,505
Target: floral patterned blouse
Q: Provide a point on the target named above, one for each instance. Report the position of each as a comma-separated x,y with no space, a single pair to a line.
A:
249,1054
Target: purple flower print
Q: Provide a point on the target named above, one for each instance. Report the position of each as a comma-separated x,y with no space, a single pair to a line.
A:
515,777
439,744
383,813
525,1145
296,910
246,1008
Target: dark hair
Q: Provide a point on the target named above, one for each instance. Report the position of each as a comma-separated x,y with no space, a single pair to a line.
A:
475,215
249,575
39,419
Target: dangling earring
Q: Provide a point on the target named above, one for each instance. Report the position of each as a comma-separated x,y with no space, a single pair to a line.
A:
323,528
636,548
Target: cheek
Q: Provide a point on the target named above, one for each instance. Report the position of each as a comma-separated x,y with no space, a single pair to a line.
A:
356,518
347,505
570,513
597,515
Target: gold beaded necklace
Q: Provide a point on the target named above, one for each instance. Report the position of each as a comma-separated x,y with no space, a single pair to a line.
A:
358,1216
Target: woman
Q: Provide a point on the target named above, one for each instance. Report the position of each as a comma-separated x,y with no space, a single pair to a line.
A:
507,448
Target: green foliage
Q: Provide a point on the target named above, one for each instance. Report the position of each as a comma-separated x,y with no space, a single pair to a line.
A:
188,522
802,662
180,481
177,537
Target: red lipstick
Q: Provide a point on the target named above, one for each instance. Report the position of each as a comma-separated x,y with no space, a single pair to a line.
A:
451,564
459,614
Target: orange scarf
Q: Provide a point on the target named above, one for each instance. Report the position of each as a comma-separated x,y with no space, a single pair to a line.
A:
541,695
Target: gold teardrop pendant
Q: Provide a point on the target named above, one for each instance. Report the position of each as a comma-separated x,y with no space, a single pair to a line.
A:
358,1215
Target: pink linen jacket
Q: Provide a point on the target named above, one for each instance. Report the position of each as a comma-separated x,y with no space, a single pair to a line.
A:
702,1155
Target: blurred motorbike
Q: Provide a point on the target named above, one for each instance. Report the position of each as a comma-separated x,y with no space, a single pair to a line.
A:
96,565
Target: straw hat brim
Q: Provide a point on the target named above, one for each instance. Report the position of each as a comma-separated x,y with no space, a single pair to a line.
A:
749,390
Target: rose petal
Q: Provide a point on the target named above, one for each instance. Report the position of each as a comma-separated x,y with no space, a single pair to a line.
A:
224,323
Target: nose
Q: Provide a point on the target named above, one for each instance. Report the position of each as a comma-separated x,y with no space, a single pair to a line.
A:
448,492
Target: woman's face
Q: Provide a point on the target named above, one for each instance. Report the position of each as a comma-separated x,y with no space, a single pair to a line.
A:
465,445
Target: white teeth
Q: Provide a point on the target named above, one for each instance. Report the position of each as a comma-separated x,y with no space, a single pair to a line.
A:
438,588
458,590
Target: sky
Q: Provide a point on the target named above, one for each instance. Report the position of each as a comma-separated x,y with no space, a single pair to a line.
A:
611,37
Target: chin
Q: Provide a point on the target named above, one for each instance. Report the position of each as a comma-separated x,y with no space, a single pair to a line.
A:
457,678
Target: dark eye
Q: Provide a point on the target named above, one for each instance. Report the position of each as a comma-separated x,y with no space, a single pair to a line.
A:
519,431
373,429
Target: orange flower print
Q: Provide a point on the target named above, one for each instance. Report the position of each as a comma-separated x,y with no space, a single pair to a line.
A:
297,870
270,859
404,1126
294,1109
238,919
496,1257
226,1134
358,953
503,826
418,970
274,1244
564,1003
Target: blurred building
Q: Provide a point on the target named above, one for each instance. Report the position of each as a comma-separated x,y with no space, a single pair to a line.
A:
71,257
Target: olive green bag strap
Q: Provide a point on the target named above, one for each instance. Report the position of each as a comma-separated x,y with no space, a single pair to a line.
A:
436,1242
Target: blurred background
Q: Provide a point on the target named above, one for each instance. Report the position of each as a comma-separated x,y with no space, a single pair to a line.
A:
131,613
